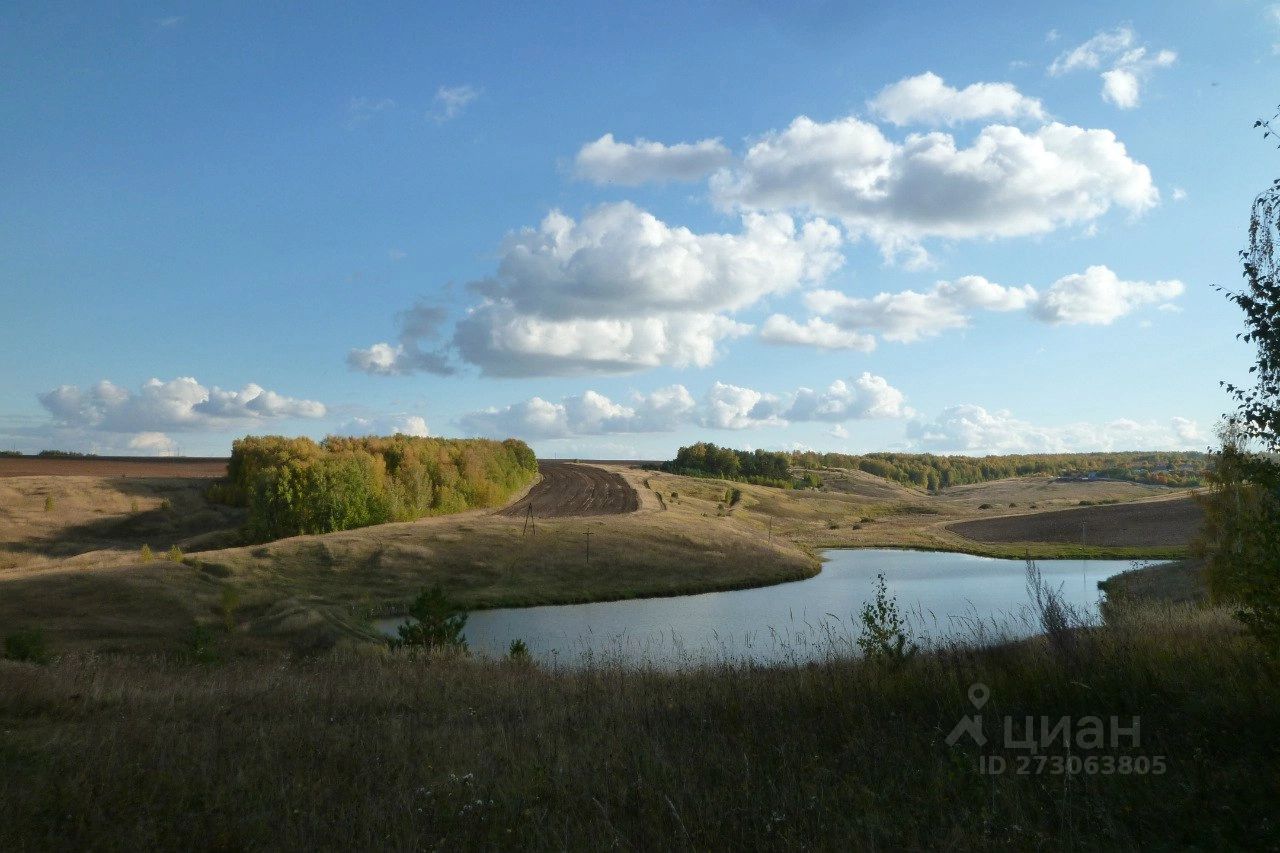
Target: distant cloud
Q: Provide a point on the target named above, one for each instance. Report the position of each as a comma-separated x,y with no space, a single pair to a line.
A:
450,101
1095,297
606,161
415,425
1125,65
418,325
153,444
1179,194
361,110
968,428
815,332
927,99
169,22
723,406
179,404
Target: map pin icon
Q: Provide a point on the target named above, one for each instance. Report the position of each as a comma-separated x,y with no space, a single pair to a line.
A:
978,694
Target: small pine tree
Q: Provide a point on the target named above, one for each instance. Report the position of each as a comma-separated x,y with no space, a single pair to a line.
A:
174,554
436,623
48,503
146,554
518,651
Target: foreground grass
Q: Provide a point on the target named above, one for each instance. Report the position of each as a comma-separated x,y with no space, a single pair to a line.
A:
396,752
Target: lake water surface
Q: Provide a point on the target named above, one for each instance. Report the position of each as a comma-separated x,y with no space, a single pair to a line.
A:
946,596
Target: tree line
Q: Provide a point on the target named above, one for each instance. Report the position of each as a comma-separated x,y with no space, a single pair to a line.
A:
931,472
934,473
295,486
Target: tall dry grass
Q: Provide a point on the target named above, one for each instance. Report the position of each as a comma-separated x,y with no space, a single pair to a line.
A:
396,751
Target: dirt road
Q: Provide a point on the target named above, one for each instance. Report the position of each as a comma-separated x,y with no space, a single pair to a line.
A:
570,488
1154,523
113,466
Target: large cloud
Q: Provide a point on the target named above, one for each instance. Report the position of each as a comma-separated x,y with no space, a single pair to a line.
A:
179,404
1096,297
723,406
927,99
1125,64
607,161
1008,182
968,428
622,291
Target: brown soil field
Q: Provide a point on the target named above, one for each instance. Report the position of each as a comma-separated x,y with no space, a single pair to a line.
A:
569,489
113,466
1140,523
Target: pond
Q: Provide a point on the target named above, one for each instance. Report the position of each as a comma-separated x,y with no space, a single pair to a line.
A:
946,596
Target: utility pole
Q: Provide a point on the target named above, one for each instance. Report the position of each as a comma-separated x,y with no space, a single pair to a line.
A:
1084,525
588,535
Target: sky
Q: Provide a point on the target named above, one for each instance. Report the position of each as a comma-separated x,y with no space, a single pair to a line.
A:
615,230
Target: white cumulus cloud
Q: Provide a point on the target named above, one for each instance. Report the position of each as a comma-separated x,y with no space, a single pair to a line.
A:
1098,296
927,99
621,290
607,161
1008,182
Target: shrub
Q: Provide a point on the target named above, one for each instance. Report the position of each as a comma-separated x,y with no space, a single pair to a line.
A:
984,506
174,554
48,503
133,505
146,554
885,634
735,496
436,623
26,645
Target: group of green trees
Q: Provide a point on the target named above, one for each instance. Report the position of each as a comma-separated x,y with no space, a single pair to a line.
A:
294,486
927,471
704,459
1241,538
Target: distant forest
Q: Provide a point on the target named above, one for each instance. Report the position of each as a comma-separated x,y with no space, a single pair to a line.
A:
294,486
927,471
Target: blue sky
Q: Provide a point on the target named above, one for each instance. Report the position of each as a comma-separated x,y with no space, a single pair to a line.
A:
612,232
